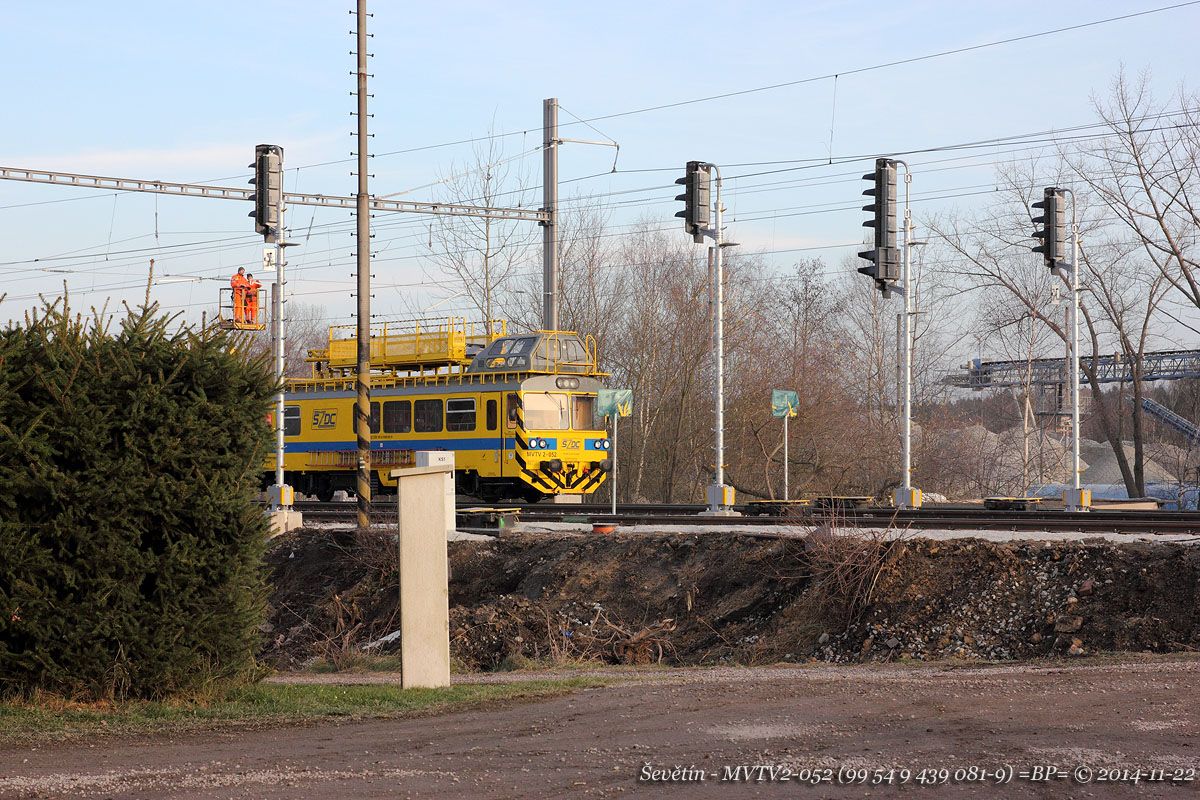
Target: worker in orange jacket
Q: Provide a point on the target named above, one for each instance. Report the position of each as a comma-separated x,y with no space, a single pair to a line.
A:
239,284
252,287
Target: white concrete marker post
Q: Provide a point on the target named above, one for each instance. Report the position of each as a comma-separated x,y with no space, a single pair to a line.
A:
442,458
425,499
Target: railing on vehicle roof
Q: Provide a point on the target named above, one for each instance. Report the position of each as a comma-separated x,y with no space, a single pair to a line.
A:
552,353
440,353
412,345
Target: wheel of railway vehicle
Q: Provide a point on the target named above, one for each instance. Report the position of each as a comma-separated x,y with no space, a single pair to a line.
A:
489,496
533,496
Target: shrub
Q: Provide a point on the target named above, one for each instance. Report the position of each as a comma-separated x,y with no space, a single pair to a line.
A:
130,542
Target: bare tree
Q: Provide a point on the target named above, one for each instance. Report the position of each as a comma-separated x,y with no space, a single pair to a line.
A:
589,276
307,329
482,255
1117,308
656,348
1147,174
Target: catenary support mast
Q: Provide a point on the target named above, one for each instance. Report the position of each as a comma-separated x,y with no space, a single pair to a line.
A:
550,207
362,408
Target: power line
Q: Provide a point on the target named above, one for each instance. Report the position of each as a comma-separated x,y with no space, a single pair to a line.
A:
896,63
797,82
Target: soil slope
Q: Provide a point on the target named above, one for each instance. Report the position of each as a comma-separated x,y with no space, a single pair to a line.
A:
706,599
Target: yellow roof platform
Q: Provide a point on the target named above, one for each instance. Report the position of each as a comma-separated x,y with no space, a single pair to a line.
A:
411,345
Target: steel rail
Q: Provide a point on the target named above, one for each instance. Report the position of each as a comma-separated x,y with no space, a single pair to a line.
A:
950,518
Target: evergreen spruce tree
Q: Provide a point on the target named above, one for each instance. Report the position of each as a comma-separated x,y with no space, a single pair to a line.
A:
130,542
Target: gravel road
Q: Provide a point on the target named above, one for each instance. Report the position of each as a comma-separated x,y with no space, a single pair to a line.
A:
815,721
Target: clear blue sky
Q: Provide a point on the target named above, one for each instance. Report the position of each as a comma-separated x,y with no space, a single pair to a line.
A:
183,91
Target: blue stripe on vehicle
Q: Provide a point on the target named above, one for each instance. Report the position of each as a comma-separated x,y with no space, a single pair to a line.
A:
476,443
482,443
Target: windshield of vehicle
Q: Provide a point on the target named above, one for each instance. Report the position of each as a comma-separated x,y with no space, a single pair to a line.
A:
584,413
545,411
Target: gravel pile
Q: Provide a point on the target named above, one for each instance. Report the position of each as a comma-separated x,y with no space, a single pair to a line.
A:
1026,600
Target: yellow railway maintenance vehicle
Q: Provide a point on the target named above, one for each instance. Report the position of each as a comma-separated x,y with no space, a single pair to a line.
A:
518,411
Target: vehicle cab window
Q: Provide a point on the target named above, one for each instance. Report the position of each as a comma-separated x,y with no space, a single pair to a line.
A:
511,404
397,416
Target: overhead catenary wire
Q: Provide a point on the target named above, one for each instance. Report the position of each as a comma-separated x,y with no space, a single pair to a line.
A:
1042,137
768,214
1018,138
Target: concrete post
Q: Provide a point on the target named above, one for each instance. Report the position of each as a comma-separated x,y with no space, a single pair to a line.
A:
425,497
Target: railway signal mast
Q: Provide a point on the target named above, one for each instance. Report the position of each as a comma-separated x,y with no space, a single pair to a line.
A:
268,221
888,265
885,255
698,212
1052,234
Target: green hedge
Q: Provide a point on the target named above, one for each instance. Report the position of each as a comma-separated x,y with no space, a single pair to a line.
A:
130,542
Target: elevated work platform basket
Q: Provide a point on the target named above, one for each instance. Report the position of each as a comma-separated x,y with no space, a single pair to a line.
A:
415,345
242,310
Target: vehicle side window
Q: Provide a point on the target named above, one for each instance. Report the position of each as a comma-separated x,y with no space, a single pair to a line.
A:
573,351
372,423
397,416
511,412
291,420
428,415
491,415
460,414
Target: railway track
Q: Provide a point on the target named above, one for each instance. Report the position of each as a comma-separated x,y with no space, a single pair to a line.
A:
950,517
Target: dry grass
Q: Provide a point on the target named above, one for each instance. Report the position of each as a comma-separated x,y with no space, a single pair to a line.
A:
605,641
842,568
43,717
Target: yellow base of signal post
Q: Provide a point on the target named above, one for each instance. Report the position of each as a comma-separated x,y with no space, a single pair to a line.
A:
281,517
723,495
1077,499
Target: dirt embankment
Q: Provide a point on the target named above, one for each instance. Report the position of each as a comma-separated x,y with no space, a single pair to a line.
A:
699,599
